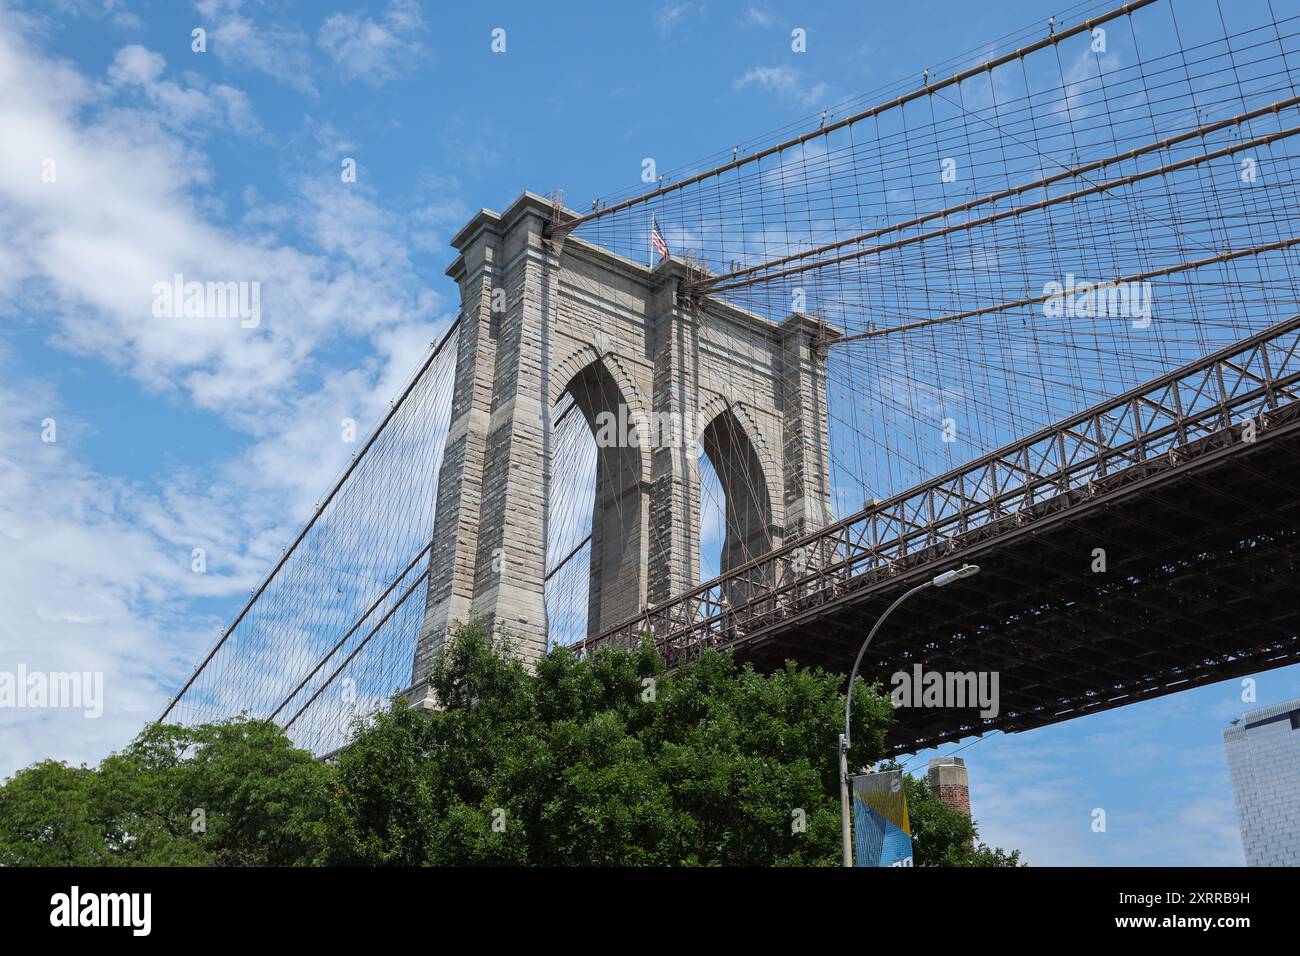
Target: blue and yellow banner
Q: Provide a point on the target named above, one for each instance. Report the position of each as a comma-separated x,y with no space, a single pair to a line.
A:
882,834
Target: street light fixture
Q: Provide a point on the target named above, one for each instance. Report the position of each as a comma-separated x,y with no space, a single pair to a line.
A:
938,581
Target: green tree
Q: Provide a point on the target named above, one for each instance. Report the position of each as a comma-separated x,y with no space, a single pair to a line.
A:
232,793
942,836
46,818
608,761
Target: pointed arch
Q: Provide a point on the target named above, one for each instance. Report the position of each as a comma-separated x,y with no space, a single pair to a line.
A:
612,406
579,359
733,447
770,463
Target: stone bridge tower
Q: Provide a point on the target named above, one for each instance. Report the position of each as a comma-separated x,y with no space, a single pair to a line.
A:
539,319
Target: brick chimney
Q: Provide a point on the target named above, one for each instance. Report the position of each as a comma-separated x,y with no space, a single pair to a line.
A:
947,778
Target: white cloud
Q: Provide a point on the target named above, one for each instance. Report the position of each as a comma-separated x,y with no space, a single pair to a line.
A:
122,216
112,10
373,51
94,569
278,50
188,109
785,83
673,15
333,144
1037,791
135,64
79,563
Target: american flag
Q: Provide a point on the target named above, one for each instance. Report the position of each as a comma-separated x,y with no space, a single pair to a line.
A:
657,240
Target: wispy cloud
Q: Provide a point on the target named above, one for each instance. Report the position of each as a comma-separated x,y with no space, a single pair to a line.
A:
672,16
281,51
1039,791
374,51
113,11
121,217
785,83
95,569
185,108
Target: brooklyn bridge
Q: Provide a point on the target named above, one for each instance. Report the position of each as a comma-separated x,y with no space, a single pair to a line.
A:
1033,310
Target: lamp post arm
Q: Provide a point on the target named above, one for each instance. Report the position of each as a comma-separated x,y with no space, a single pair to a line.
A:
853,674
938,581
846,837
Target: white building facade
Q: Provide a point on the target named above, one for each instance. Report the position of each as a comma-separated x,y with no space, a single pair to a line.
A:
1264,763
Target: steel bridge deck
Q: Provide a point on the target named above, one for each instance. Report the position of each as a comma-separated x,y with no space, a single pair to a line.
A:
1202,584
1198,518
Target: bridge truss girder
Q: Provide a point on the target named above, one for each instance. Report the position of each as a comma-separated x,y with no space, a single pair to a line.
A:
1189,483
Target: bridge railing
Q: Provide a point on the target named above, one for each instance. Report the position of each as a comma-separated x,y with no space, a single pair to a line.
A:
1191,409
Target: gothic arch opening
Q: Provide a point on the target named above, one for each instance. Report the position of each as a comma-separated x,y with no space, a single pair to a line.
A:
732,466
596,508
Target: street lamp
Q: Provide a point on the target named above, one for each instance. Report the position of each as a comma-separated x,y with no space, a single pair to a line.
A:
938,581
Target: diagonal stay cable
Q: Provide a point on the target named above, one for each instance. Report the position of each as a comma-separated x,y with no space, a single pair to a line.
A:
347,473
1087,25
760,271
1016,211
356,650
1037,299
350,631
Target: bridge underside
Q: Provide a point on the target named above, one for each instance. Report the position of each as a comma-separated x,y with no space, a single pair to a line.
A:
1202,560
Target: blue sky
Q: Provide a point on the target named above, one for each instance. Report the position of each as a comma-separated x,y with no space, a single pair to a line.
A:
171,438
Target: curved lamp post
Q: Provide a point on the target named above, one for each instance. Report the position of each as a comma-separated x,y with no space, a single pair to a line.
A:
938,581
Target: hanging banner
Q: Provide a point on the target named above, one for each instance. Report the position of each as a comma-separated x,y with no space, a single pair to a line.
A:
882,834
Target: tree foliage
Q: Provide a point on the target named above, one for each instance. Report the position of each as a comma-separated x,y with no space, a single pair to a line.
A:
603,761
943,837
233,793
